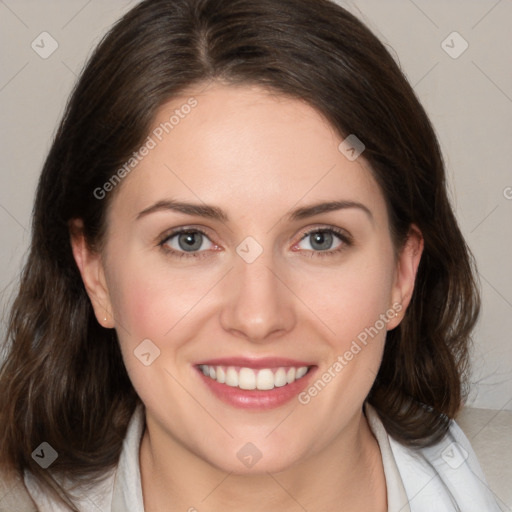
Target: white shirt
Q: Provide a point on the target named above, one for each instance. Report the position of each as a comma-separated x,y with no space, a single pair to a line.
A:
445,477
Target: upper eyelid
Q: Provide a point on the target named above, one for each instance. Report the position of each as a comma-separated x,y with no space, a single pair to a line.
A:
336,230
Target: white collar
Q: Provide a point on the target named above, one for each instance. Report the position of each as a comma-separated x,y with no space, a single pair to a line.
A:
397,497
445,477
127,492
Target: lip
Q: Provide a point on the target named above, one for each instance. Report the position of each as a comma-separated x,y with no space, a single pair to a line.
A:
256,400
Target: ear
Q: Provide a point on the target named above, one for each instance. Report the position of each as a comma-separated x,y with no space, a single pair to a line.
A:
405,274
90,264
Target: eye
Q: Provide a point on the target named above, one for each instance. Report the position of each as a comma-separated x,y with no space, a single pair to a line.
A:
320,241
193,242
186,242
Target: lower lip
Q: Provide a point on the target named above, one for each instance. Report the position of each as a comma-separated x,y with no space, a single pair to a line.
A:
256,399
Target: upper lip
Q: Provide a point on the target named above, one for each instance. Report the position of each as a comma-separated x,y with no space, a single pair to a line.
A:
264,362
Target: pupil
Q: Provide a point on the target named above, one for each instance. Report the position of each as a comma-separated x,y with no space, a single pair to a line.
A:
323,239
188,241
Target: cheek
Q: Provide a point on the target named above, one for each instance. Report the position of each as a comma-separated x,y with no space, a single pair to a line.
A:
358,312
367,294
148,304
351,298
151,305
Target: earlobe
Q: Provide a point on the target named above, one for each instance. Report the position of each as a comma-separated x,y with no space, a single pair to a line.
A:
406,270
91,269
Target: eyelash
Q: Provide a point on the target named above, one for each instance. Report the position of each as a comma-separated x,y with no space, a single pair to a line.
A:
347,242
181,254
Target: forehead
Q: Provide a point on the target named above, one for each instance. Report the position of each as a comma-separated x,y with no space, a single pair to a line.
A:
247,150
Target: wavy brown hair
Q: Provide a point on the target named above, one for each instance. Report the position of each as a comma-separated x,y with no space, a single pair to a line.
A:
63,380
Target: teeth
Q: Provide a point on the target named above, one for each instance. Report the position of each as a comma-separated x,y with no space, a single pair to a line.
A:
231,377
265,379
221,375
280,378
246,378
301,372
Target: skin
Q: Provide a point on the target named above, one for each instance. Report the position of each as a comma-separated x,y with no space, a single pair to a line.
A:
290,302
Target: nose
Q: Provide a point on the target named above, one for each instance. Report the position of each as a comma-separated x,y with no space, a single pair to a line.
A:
259,304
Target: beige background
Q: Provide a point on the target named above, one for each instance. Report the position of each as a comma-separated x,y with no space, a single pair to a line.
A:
469,99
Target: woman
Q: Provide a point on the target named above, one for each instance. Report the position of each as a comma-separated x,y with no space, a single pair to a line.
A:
246,288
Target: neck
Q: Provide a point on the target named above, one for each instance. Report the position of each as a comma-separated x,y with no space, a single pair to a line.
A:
347,475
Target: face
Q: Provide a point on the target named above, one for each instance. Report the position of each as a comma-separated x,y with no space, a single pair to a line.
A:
215,262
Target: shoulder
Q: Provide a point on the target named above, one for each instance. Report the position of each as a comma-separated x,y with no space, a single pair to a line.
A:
14,495
445,475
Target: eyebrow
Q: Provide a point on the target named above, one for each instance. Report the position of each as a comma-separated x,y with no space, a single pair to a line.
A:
215,213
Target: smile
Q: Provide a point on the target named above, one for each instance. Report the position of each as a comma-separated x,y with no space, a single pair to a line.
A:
257,384
262,379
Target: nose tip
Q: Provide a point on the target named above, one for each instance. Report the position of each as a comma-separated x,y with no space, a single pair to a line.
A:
258,305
